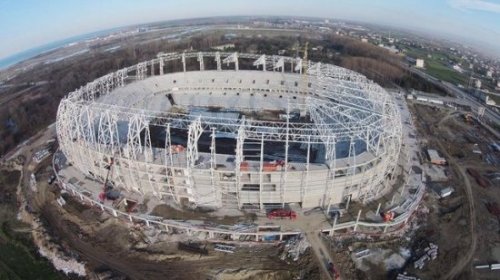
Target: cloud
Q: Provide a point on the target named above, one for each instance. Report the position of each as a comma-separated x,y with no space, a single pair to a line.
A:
477,5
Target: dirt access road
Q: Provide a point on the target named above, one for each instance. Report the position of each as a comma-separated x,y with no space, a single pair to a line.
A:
467,257
321,252
310,225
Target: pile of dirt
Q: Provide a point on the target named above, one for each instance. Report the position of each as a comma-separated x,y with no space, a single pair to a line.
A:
168,212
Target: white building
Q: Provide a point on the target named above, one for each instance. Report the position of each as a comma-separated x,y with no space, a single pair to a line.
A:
446,192
435,158
419,63
477,83
457,68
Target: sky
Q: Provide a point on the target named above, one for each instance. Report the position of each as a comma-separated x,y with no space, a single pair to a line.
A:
25,24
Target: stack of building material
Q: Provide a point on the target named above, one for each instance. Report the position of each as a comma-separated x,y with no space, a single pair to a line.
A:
224,248
430,254
406,277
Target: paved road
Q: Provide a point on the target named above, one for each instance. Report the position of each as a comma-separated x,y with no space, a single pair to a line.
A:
457,92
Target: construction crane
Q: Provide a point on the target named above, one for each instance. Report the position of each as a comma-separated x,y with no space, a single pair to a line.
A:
105,189
304,60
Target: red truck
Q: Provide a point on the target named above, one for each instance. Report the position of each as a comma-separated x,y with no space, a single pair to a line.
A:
282,213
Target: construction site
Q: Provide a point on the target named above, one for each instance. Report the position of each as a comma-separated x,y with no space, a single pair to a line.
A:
242,166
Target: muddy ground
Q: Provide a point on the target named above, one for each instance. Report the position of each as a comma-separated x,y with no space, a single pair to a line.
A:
461,225
115,246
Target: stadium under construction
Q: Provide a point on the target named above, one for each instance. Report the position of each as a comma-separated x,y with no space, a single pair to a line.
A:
233,130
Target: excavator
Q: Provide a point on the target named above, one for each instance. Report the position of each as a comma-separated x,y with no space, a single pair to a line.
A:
105,188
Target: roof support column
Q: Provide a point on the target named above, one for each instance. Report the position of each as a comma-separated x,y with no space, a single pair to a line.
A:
239,158
192,155
217,59
162,62
200,60
183,59
213,165
261,169
169,162
284,172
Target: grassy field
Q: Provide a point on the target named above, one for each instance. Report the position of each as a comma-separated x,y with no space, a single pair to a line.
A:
17,261
442,72
437,65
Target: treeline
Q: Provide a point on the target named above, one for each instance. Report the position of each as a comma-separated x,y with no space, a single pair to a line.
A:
24,116
377,64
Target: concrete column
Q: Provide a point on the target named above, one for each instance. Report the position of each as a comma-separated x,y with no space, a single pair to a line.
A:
114,213
357,220
102,208
130,218
147,223
161,66
183,58
281,237
378,208
348,202
333,227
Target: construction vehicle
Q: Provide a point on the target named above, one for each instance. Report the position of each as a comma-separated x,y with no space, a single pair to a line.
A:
388,216
333,272
273,165
176,149
282,213
105,188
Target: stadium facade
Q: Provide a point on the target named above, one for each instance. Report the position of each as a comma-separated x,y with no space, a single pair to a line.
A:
231,130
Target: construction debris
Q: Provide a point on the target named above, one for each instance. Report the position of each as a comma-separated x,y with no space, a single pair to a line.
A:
406,277
33,183
224,248
430,254
362,253
61,201
295,247
41,155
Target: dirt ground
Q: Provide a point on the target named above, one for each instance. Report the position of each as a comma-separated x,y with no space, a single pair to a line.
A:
115,246
112,246
460,225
